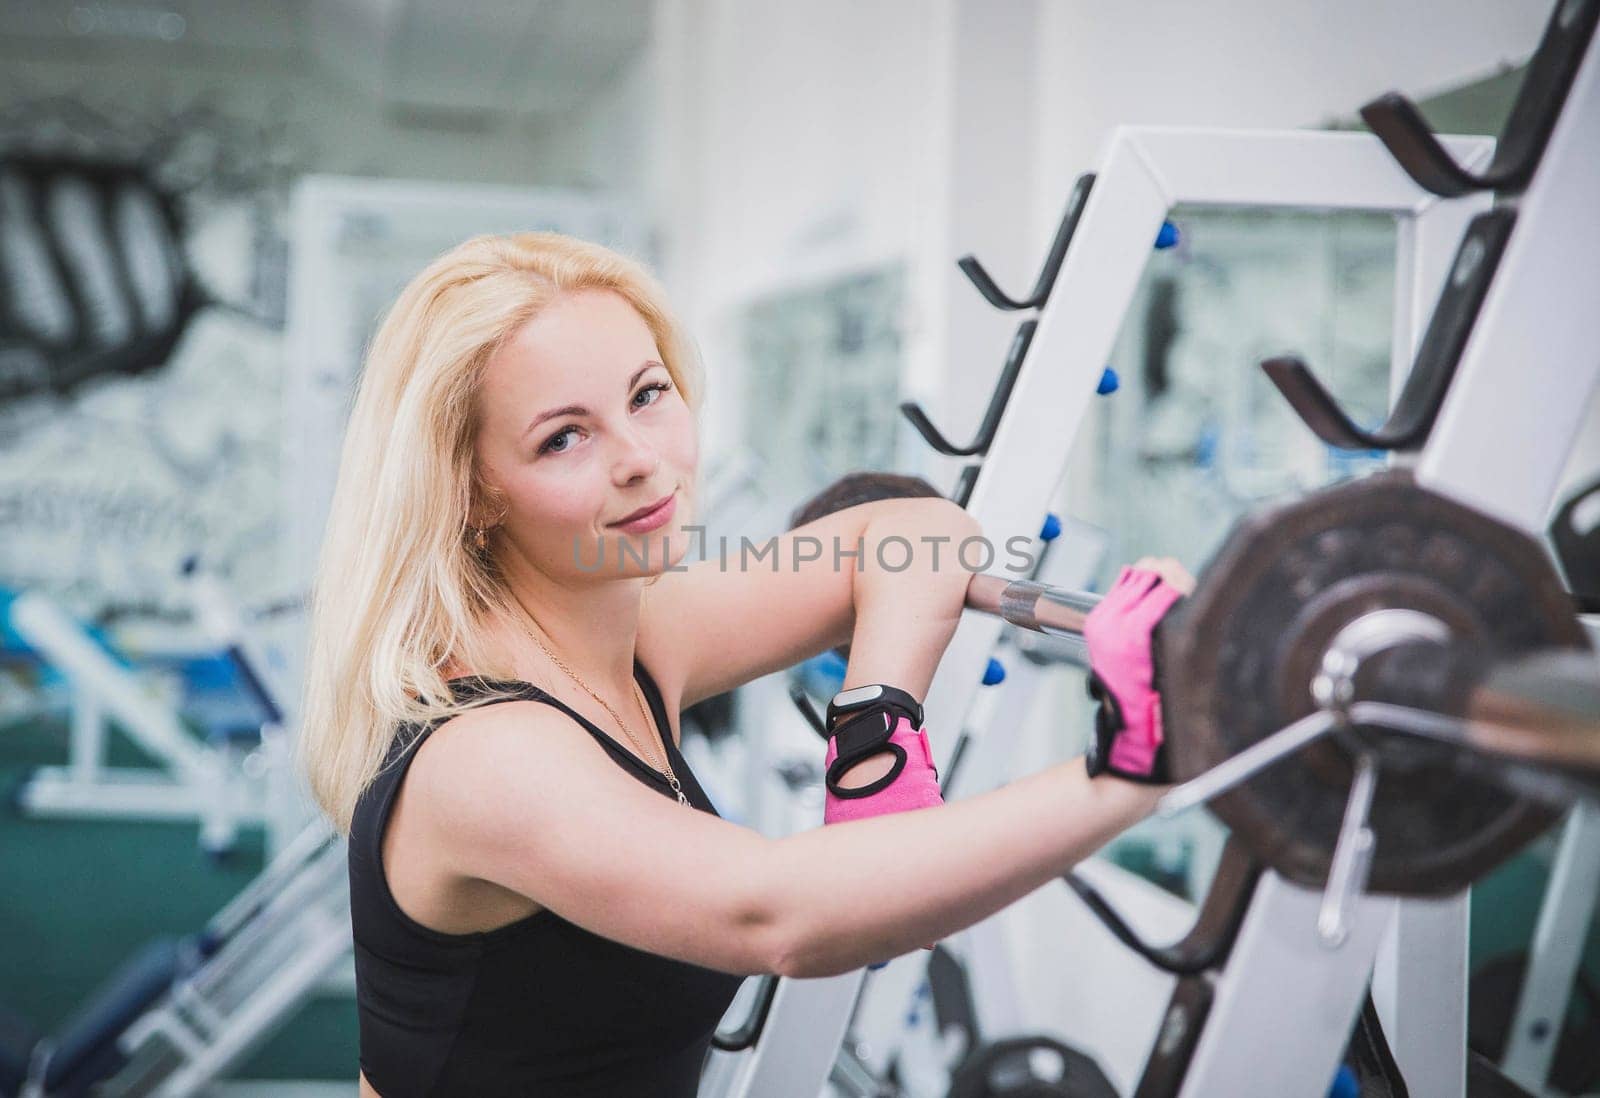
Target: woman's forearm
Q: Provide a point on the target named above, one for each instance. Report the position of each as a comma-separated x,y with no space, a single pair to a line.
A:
847,895
904,617
854,893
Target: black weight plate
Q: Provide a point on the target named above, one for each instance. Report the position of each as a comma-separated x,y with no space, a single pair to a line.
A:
1237,659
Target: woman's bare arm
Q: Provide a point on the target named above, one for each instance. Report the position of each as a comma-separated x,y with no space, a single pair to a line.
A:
519,795
882,575
527,800
904,617
853,893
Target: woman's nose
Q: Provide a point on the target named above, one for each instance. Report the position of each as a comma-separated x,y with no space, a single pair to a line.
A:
637,457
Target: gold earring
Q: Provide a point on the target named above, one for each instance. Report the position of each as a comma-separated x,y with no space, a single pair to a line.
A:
478,538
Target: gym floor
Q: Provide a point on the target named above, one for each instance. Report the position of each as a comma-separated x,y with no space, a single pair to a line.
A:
98,890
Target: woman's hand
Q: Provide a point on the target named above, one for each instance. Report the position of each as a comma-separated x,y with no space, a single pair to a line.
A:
1130,738
1170,570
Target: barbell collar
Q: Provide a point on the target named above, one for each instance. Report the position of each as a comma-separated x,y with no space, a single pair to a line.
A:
1028,604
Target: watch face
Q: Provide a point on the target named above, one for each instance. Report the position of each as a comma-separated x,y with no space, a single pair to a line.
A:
857,696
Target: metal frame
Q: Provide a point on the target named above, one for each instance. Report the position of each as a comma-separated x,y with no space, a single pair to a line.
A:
1527,374
1556,952
193,780
1143,173
257,960
223,784
213,1018
999,714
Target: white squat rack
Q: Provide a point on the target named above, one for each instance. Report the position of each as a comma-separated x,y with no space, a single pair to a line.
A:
1525,379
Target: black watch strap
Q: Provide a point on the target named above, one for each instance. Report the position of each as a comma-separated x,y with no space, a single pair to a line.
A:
862,737
859,699
860,721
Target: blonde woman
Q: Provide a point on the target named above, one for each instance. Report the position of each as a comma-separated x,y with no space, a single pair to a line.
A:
543,900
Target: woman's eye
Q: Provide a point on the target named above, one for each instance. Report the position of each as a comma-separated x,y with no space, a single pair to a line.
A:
550,446
657,387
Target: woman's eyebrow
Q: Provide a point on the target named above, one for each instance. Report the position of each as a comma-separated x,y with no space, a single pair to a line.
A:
580,410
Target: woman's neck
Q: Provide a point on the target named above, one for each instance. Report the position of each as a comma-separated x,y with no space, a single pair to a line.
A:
593,632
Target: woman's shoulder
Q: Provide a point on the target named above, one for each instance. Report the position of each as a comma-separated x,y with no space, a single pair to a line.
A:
501,726
424,759
466,751
493,784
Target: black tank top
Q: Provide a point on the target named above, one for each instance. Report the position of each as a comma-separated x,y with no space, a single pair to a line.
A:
538,1007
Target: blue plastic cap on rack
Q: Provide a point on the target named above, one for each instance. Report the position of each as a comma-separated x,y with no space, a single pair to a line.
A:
1205,447
1109,382
1052,527
994,673
1167,237
823,673
1345,1084
9,637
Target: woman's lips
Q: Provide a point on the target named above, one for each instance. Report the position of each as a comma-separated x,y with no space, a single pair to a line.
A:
650,520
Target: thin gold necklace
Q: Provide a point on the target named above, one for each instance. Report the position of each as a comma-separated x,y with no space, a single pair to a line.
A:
638,697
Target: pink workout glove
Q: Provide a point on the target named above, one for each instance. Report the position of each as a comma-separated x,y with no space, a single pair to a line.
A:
1128,739
869,720
872,720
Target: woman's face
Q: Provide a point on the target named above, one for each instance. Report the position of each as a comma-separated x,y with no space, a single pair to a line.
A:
580,426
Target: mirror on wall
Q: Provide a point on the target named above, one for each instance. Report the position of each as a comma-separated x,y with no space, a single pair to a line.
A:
822,391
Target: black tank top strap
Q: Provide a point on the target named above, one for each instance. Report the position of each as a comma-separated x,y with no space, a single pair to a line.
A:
661,732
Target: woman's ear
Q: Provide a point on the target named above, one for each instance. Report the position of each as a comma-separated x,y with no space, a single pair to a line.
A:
480,516
488,506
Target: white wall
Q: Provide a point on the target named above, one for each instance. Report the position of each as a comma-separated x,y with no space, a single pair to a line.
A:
612,143
1252,63
800,143
811,121
797,142
793,139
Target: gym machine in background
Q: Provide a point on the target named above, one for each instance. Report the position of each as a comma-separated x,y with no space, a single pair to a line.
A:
1508,355
182,1011
1520,1001
235,773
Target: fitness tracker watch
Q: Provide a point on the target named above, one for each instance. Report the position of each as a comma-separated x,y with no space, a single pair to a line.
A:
859,698
860,722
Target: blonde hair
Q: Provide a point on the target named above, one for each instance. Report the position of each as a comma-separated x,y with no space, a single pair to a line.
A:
400,591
